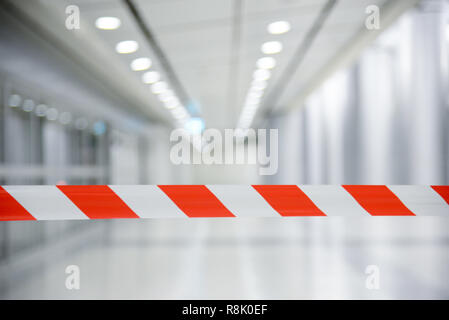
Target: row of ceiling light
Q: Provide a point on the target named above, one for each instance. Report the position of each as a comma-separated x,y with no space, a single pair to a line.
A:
153,78
262,74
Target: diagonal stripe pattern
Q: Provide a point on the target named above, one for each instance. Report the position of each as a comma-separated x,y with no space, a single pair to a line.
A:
219,201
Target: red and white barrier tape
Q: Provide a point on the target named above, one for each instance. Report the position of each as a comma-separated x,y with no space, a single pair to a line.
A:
213,201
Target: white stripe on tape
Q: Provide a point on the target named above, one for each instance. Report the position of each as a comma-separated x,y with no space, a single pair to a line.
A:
422,200
243,200
46,202
148,201
334,201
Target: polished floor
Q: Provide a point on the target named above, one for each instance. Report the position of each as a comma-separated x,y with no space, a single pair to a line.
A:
307,258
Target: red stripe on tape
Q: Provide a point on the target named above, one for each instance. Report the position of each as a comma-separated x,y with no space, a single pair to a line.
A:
288,200
10,209
378,200
98,202
443,191
196,201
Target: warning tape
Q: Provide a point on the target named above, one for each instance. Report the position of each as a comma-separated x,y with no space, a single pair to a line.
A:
213,201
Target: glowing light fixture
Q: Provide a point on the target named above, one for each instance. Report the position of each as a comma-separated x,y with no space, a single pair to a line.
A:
194,125
266,63
159,87
108,23
150,77
261,74
271,47
140,64
14,100
172,103
28,105
128,46
41,110
278,27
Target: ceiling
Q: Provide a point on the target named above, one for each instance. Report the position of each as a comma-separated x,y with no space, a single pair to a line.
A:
213,46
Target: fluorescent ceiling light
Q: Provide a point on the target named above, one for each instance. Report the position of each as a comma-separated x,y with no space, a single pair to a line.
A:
252,99
14,100
266,63
166,95
179,113
41,110
159,87
28,105
255,94
140,64
150,77
171,103
271,47
261,74
194,125
258,85
279,27
107,23
52,114
128,46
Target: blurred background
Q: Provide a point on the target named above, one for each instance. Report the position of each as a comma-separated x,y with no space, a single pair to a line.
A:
353,103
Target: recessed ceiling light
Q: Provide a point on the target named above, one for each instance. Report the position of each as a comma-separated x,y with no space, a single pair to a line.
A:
28,105
150,77
251,109
252,100
261,74
279,27
41,110
271,47
194,125
258,85
166,95
179,113
159,87
107,23
171,103
140,64
266,63
128,46
14,100
255,93
52,114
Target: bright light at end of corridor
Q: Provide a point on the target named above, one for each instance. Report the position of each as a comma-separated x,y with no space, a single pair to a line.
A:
194,125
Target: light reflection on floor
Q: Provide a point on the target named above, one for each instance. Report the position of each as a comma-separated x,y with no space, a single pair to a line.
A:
307,258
